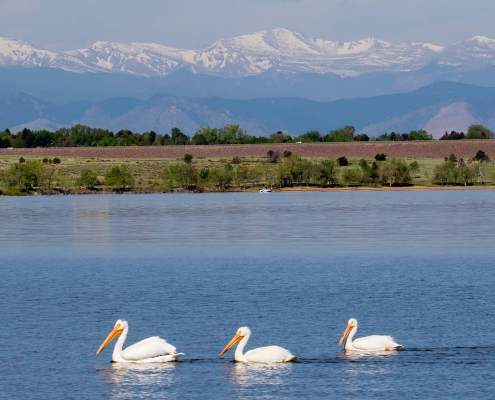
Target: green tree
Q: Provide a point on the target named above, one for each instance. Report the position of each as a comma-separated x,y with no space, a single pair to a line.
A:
28,175
374,172
206,135
120,177
240,175
88,178
231,134
221,178
152,137
362,137
309,137
178,137
414,167
185,176
352,176
479,131
327,172
481,156
280,137
345,134
204,173
420,135
384,137
188,158
395,172
272,156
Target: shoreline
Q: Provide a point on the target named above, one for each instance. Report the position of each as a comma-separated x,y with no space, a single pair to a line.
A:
386,188
299,189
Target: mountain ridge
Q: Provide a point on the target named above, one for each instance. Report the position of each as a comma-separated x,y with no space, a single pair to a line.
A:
280,50
431,107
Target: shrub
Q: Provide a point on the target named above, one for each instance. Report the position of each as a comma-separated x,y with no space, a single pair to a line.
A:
352,176
22,160
236,160
203,174
120,177
56,160
453,158
381,157
88,178
272,156
414,166
188,158
287,153
481,156
342,161
45,160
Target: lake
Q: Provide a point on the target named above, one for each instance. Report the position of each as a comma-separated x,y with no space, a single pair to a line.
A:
294,267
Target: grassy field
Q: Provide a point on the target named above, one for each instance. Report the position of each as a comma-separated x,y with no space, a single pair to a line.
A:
149,173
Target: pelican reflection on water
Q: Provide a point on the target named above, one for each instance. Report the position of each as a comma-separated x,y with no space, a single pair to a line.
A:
144,378
246,375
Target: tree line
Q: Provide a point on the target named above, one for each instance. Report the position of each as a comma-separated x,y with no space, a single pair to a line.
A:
279,171
85,136
456,171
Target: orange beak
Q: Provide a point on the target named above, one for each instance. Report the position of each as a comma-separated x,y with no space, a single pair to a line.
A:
345,334
115,332
234,340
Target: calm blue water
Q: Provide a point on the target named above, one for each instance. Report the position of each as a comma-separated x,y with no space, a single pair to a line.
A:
293,267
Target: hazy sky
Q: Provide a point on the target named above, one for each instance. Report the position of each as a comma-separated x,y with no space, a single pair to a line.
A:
66,24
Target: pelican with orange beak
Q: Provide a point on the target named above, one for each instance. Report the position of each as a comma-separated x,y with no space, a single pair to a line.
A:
368,343
151,350
268,354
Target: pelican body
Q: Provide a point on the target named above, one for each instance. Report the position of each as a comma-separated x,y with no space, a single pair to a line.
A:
268,354
368,343
151,350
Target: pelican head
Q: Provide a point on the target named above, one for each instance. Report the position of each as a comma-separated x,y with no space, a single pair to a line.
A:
350,326
242,332
119,327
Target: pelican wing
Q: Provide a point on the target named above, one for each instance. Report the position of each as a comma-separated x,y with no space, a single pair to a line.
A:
376,342
148,348
269,354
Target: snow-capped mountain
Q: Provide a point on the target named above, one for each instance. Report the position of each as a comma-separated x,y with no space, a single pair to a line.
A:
17,53
477,50
278,50
292,52
145,59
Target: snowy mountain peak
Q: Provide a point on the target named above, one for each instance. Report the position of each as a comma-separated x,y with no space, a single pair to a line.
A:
432,47
281,50
483,40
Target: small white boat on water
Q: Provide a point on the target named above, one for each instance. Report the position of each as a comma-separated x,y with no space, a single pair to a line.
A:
265,190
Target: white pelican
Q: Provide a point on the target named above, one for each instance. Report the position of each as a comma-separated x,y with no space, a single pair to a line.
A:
268,354
368,343
151,350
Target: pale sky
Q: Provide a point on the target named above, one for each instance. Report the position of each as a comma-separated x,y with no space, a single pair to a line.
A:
70,24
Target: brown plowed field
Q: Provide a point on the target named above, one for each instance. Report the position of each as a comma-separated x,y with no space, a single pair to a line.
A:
426,149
